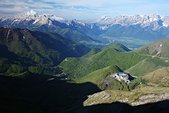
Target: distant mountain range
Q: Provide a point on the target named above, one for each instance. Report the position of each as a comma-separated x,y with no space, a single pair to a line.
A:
153,21
132,31
47,23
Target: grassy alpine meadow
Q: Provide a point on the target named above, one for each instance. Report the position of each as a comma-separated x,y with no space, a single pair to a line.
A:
108,56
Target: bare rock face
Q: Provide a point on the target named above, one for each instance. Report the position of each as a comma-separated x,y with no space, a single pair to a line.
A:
97,98
151,98
129,98
105,97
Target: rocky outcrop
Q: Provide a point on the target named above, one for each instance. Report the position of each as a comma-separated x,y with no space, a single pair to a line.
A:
151,98
125,97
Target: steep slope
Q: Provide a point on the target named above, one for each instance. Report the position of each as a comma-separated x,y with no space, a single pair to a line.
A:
159,48
112,55
40,94
158,57
147,65
22,47
67,33
159,77
98,76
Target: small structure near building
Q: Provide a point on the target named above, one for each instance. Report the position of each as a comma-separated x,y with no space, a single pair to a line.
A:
122,77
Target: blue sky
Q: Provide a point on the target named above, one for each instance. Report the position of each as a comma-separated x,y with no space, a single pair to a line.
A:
85,9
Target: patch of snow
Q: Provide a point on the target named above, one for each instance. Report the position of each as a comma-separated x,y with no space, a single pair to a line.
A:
104,27
166,60
142,16
159,49
165,25
37,20
158,52
81,23
104,17
57,18
91,27
8,34
50,79
151,20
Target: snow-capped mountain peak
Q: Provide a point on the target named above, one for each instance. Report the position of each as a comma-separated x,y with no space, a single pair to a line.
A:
104,20
153,20
104,17
39,19
60,19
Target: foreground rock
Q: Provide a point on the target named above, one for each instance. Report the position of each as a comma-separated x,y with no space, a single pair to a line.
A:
133,98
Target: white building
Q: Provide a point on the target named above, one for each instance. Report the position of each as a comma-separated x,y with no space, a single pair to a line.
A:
121,77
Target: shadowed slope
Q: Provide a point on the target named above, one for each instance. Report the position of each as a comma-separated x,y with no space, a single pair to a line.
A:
42,94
